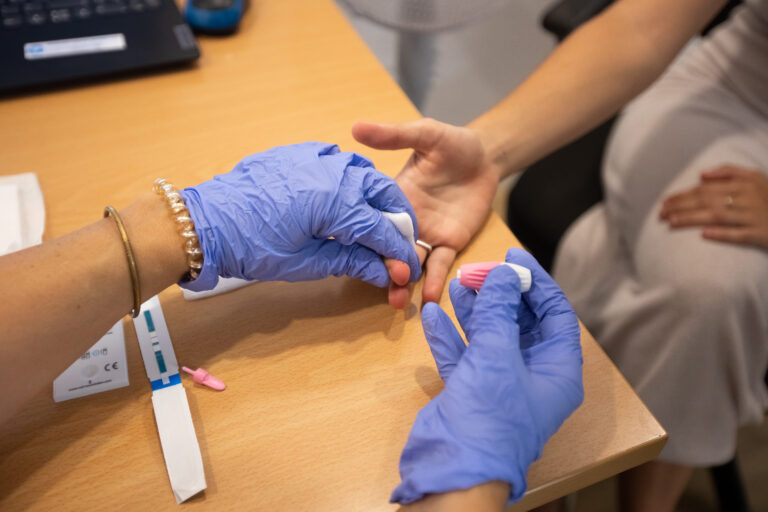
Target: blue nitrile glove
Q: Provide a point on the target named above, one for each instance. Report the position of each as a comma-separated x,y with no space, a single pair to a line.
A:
271,217
505,394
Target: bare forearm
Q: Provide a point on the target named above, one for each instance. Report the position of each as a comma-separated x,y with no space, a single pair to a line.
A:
487,497
62,296
589,77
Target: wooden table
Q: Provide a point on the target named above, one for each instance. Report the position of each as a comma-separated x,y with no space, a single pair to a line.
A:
324,378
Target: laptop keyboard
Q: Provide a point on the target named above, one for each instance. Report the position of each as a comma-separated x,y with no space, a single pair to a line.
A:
17,13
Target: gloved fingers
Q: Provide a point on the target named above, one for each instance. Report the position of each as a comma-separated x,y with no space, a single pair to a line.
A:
547,301
463,300
366,226
383,193
444,340
493,323
344,159
330,257
555,370
553,360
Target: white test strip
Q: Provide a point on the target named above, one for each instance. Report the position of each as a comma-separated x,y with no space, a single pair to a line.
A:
181,450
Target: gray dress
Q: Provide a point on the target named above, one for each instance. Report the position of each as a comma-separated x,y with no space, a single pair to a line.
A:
685,319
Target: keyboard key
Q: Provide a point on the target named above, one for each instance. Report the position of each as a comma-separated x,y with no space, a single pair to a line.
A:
36,18
33,6
107,9
136,6
82,13
12,21
152,4
59,15
9,10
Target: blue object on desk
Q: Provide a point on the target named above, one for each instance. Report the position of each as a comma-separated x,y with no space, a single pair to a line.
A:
214,16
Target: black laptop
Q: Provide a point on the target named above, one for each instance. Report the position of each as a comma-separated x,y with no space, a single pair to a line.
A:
48,41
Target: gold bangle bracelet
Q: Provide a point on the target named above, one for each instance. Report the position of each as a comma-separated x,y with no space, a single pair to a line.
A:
185,226
110,211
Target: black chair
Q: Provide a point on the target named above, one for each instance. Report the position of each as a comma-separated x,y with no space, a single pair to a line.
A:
563,185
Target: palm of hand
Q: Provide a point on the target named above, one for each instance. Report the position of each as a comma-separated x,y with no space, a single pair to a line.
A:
450,186
450,183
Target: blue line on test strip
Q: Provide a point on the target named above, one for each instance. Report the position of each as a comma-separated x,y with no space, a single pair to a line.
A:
159,384
156,337
150,323
155,344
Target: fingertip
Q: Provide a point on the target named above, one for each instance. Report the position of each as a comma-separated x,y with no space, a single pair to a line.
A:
430,315
368,133
456,290
429,309
359,129
432,319
521,257
398,296
455,287
432,290
399,271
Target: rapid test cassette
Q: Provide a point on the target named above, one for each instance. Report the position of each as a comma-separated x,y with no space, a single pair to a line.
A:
101,368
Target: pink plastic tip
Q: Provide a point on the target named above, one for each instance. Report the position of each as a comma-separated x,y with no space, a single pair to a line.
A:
472,275
203,377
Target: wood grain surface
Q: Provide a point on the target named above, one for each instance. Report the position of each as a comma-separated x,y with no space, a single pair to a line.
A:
324,379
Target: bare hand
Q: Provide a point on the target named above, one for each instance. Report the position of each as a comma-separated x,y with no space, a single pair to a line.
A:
449,181
731,204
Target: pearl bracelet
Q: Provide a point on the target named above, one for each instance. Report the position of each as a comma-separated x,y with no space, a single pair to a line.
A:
185,224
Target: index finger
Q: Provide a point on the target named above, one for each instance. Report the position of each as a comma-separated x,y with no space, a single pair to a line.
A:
681,201
725,172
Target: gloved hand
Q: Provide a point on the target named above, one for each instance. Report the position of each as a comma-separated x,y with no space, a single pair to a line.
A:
505,394
271,217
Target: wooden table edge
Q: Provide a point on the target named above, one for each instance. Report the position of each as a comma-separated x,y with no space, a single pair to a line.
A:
595,472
